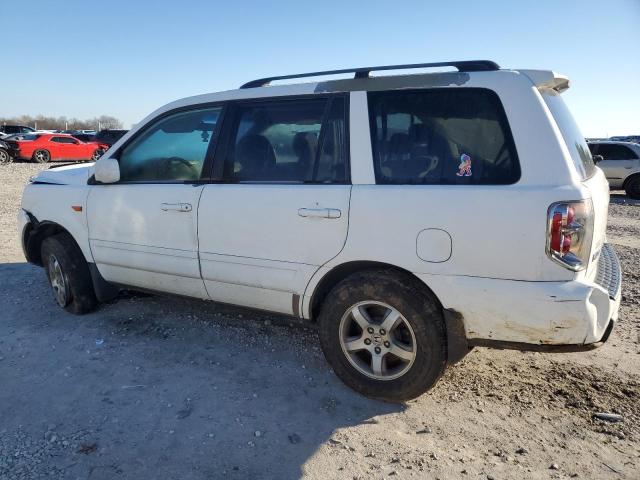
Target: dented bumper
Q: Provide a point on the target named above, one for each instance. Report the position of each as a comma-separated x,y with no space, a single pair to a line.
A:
543,316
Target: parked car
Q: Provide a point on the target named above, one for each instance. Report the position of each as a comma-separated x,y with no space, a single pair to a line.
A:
627,138
12,129
84,137
5,156
109,137
412,217
620,162
43,148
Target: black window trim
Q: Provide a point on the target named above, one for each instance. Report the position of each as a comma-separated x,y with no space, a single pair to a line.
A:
217,174
208,159
501,113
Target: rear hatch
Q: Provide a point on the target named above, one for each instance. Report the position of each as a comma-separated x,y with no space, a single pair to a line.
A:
591,176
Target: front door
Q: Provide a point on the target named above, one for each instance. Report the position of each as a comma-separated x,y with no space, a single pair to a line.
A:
280,208
143,229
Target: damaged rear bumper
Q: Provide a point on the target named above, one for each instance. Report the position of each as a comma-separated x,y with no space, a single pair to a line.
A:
567,316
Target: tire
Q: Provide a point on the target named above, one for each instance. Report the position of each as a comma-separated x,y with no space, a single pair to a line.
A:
68,274
97,153
41,156
5,158
420,331
632,187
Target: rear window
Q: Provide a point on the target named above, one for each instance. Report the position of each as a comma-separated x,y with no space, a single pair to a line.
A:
571,134
441,136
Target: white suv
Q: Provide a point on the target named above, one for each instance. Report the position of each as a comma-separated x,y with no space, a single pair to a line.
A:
411,217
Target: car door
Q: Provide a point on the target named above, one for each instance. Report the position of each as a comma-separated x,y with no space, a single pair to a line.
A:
618,162
143,229
279,207
54,146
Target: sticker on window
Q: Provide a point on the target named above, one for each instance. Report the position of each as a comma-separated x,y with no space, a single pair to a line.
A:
464,169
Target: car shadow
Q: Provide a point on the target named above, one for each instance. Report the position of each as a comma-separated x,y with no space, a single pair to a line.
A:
159,387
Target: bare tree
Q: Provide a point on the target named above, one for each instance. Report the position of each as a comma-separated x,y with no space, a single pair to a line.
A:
63,123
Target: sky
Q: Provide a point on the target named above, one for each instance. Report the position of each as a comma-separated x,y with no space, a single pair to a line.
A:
126,58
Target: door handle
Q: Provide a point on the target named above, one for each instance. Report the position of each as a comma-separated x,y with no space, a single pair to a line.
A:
319,212
176,207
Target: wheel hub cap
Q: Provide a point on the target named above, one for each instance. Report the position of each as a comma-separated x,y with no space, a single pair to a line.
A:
57,281
377,340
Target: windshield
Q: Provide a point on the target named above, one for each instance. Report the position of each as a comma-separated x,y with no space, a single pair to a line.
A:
574,139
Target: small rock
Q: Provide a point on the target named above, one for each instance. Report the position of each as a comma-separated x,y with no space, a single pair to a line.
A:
608,417
258,433
554,466
294,438
522,451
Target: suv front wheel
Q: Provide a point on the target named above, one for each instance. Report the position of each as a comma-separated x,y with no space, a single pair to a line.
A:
68,274
383,335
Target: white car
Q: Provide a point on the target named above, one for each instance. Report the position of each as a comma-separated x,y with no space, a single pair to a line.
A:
620,162
411,217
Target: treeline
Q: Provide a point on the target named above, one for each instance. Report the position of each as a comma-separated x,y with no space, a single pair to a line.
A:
43,122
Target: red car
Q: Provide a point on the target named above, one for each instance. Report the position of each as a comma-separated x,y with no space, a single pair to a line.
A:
55,147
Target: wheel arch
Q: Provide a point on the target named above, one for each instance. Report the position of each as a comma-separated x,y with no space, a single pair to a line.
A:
34,234
338,273
633,176
457,343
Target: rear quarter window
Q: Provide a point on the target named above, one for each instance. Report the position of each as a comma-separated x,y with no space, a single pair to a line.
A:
441,136
573,138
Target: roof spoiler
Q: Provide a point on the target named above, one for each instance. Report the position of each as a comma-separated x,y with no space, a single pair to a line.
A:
547,79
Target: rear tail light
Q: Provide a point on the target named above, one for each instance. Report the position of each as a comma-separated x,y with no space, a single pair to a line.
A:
570,233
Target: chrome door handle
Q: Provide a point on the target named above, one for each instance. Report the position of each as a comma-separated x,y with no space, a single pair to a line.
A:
176,207
319,212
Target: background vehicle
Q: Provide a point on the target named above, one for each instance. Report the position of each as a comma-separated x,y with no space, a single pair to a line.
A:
620,163
43,148
395,211
11,129
627,138
5,156
109,137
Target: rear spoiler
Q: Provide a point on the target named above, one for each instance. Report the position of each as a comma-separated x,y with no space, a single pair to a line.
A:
547,79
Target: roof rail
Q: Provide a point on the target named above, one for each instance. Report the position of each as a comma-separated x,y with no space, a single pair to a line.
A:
363,72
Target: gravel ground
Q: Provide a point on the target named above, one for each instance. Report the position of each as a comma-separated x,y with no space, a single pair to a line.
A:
166,388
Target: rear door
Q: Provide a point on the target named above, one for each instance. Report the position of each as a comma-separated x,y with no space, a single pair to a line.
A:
279,208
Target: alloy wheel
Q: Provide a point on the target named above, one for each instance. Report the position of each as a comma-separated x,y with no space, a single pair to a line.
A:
58,282
377,340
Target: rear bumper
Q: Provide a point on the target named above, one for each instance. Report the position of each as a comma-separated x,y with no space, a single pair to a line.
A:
542,316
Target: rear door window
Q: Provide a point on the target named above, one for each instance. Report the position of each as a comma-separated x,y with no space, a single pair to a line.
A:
441,136
293,141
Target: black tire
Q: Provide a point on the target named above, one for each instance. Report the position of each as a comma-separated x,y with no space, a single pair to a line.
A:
41,156
5,158
97,153
79,297
632,187
420,309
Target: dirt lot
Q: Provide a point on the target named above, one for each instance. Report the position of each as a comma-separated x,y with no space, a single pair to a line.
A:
152,387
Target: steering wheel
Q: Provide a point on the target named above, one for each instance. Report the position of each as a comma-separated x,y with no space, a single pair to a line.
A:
166,166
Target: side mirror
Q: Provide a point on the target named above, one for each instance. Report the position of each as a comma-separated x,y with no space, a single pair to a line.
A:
107,170
597,158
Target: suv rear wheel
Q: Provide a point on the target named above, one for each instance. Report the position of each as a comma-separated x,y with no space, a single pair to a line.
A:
68,274
632,187
383,335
